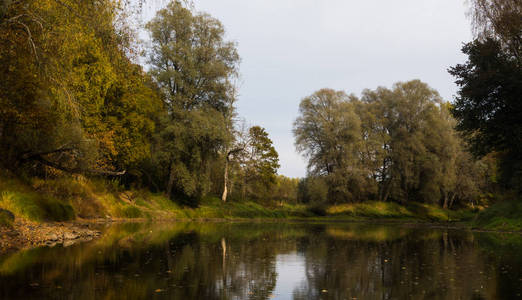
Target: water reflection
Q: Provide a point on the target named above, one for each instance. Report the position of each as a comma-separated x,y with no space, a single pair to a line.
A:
264,261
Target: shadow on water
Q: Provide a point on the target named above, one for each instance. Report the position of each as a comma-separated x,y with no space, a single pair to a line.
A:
264,261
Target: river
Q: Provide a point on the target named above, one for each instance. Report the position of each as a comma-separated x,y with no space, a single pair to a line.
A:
270,261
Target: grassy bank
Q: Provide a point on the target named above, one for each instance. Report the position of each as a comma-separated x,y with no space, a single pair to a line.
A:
72,198
503,216
67,199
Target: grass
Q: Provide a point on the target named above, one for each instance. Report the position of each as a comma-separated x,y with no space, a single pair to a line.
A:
68,198
503,216
213,208
72,197
26,203
371,209
392,210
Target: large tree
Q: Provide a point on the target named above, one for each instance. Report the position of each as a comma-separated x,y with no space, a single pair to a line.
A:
195,68
500,20
328,133
256,164
488,106
69,90
394,144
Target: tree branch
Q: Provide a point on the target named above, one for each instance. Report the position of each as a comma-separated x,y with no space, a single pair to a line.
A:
76,170
232,152
28,156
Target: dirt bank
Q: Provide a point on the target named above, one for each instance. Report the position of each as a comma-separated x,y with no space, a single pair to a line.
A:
25,234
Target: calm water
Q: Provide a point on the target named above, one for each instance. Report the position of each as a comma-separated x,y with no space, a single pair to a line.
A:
266,261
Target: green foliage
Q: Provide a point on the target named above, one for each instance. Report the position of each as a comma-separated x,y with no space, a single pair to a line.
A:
71,98
506,216
194,67
30,205
396,144
256,168
328,132
312,190
371,209
390,210
488,105
285,190
264,158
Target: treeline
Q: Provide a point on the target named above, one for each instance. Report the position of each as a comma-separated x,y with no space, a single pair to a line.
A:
407,144
394,144
73,100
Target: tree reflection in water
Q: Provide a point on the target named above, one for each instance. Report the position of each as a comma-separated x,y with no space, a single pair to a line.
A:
263,261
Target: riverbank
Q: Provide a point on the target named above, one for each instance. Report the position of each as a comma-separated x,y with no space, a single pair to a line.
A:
70,198
39,212
22,234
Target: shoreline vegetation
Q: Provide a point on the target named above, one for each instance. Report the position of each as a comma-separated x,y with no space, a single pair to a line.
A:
70,210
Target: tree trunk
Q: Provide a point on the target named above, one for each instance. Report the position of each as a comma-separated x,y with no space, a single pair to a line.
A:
384,191
170,183
452,200
225,176
225,181
445,204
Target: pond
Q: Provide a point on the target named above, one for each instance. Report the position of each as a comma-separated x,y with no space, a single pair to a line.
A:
270,261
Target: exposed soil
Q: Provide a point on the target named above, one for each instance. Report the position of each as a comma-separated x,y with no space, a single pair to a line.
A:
27,235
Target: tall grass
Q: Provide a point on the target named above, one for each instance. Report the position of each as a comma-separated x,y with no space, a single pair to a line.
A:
506,216
34,207
69,197
392,210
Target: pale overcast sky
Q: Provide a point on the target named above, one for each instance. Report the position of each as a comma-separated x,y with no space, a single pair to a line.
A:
291,48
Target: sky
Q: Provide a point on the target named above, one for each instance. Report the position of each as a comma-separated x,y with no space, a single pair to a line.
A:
292,48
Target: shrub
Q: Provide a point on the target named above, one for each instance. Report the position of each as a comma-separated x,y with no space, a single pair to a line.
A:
318,209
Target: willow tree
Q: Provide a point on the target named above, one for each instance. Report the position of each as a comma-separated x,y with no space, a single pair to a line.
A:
195,68
394,144
500,20
327,132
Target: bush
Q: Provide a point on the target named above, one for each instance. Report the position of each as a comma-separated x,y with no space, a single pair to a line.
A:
318,209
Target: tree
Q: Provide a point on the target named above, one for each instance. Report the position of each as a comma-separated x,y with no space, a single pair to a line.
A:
194,68
499,20
259,164
394,144
328,133
68,97
286,190
488,106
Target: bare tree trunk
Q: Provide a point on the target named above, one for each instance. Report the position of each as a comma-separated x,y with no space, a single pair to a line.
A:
225,182
225,176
